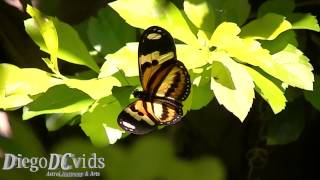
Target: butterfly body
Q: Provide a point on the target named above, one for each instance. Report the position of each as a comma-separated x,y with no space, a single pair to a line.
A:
165,82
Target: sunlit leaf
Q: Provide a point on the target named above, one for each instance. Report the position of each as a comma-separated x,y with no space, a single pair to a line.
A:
95,88
50,65
100,122
286,126
58,99
145,13
288,65
268,90
304,21
127,81
267,27
48,33
125,59
108,32
203,39
292,67
201,13
71,47
17,84
192,57
283,7
16,80
314,96
237,95
14,101
226,31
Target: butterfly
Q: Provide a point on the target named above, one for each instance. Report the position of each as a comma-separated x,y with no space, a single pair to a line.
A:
165,82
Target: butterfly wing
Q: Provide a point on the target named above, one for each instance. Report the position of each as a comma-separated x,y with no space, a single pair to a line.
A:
156,53
175,85
161,74
166,113
163,77
136,118
142,117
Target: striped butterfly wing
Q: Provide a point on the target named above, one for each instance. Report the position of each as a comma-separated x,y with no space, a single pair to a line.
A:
161,74
136,118
157,55
162,77
142,117
166,112
175,85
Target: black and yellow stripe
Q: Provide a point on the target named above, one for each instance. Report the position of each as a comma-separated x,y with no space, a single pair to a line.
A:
165,82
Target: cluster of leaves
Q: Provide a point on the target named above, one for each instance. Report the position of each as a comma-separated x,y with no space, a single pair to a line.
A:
224,61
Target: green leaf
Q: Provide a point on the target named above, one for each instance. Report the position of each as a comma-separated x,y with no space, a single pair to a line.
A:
71,47
122,94
125,59
292,67
56,121
14,101
268,90
100,122
58,99
48,33
226,31
17,84
237,100
127,81
95,88
267,27
207,15
288,65
50,65
145,13
191,56
283,7
236,11
201,13
222,75
201,95
30,81
287,126
304,21
109,32
314,96
280,42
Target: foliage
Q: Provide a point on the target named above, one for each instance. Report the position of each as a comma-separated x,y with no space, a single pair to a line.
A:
228,57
